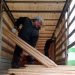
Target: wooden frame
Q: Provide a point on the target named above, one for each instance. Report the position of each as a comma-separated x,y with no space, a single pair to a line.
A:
58,54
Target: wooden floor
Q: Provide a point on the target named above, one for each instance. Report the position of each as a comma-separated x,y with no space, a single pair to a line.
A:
41,70
49,68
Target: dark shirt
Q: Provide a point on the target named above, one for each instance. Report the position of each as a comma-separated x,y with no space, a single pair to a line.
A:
28,32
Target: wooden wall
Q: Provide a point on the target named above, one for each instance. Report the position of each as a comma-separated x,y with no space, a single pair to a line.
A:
62,36
49,10
0,29
60,54
7,45
50,22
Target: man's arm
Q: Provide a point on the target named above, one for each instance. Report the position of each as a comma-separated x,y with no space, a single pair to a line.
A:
34,39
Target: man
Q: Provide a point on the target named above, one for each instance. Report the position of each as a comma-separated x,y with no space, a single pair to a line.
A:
29,32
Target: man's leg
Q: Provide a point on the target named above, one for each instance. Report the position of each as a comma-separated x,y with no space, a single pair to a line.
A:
16,57
30,60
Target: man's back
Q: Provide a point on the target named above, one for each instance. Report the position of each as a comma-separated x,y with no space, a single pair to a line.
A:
28,32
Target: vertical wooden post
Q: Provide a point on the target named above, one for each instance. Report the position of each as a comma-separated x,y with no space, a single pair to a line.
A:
0,24
0,28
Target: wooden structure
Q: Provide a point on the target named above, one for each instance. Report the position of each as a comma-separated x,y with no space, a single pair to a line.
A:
53,12
32,70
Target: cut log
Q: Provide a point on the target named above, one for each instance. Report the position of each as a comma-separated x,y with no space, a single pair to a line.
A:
29,49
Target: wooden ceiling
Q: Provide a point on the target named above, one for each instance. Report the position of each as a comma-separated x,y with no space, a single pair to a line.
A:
49,10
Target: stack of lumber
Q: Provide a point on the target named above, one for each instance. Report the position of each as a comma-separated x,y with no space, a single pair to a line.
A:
42,70
48,67
29,49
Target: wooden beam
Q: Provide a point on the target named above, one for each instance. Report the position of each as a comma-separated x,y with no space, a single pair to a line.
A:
47,20
27,48
32,11
59,53
42,68
31,1
66,30
32,7
43,15
7,48
66,6
39,0
6,54
8,41
66,21
45,35
61,70
8,11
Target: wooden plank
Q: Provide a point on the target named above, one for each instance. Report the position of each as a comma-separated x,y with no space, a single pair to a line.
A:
34,1
42,71
7,47
34,66
39,74
43,38
38,0
40,45
45,35
42,68
6,55
36,6
8,41
7,19
43,15
48,27
45,32
32,51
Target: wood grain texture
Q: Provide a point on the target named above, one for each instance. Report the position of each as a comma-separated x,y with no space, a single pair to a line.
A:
32,51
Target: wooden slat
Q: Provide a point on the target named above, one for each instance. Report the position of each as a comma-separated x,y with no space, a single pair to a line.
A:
39,46
5,54
36,6
8,41
46,32
43,71
48,27
7,47
43,38
41,42
35,53
7,19
43,15
43,35
52,73
38,0
42,68
39,74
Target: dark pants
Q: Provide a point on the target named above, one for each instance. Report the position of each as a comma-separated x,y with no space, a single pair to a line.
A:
30,60
16,57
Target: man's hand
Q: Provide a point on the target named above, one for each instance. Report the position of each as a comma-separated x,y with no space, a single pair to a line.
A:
14,30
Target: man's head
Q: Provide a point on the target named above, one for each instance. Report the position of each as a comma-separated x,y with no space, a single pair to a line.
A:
37,21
